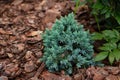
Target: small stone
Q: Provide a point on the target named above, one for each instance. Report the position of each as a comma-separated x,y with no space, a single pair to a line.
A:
3,78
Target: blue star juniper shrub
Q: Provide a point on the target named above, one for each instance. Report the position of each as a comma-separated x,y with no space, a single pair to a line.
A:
67,45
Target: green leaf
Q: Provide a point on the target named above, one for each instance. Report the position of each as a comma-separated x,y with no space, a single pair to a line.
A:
111,58
108,35
98,5
117,16
104,11
82,3
118,45
105,48
101,56
107,15
108,46
116,53
117,34
97,36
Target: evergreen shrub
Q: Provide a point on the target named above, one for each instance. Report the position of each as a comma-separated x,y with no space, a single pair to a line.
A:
67,45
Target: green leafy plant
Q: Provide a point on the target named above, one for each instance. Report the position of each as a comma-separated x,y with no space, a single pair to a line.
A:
111,49
107,9
79,3
67,45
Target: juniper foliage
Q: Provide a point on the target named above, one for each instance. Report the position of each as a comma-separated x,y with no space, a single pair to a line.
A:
67,45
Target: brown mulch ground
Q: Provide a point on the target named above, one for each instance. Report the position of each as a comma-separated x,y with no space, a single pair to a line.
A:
21,24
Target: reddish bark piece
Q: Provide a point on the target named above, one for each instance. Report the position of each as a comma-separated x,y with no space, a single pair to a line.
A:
51,15
2,31
113,70
11,69
26,7
112,77
29,66
3,78
66,77
49,25
50,76
45,5
103,71
98,76
1,66
34,33
17,2
79,77
34,78
29,56
10,55
39,70
39,54
97,73
20,46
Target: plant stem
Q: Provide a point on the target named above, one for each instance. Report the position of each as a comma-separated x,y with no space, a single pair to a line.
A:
77,6
96,18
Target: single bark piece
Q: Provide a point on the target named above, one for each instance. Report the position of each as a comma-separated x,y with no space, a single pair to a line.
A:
112,77
29,67
40,69
3,78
